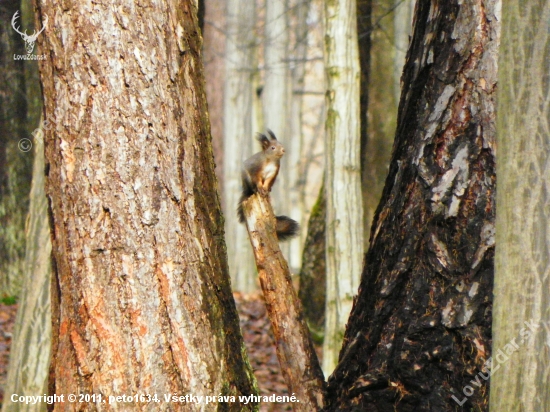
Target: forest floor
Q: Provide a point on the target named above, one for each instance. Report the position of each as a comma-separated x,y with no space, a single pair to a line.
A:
7,319
256,332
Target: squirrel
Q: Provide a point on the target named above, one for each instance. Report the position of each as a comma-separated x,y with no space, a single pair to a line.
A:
258,176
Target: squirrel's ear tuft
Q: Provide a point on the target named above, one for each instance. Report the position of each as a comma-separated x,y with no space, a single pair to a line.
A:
271,134
264,140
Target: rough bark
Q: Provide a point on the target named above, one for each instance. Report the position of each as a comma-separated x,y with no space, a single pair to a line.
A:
239,128
313,278
15,161
31,342
344,237
141,292
420,329
522,284
295,350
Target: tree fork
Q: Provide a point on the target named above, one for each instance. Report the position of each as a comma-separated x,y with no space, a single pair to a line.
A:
295,350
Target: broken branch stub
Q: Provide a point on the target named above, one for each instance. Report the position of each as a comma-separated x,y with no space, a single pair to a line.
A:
295,351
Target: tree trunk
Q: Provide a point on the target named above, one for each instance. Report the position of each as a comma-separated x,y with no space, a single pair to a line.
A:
15,159
297,357
344,237
313,275
522,284
239,128
420,329
141,293
31,343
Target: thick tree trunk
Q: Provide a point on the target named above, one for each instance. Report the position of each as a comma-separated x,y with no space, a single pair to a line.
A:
344,236
31,343
522,282
239,128
142,301
420,329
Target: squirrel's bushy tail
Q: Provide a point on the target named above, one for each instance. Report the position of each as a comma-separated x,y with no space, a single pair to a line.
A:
286,227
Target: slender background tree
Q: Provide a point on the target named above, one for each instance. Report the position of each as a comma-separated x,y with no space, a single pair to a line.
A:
344,236
522,282
31,343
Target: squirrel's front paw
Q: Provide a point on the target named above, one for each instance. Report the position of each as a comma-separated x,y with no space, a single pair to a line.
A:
262,192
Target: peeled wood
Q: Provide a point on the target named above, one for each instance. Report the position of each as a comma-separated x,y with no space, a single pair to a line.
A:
295,350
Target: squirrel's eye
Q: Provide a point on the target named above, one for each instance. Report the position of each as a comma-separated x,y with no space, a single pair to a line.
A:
272,147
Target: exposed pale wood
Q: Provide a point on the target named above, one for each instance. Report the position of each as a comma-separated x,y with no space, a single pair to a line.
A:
295,350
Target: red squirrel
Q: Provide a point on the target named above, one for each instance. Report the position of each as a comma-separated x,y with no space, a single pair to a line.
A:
258,176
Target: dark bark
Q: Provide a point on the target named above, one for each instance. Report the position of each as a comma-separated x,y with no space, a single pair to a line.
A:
313,275
420,329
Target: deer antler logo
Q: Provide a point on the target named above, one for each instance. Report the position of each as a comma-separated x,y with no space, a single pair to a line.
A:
29,40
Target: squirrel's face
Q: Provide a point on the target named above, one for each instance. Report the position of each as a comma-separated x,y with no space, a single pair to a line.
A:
277,150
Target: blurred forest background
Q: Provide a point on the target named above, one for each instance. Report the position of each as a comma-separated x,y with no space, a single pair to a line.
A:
264,68
345,86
